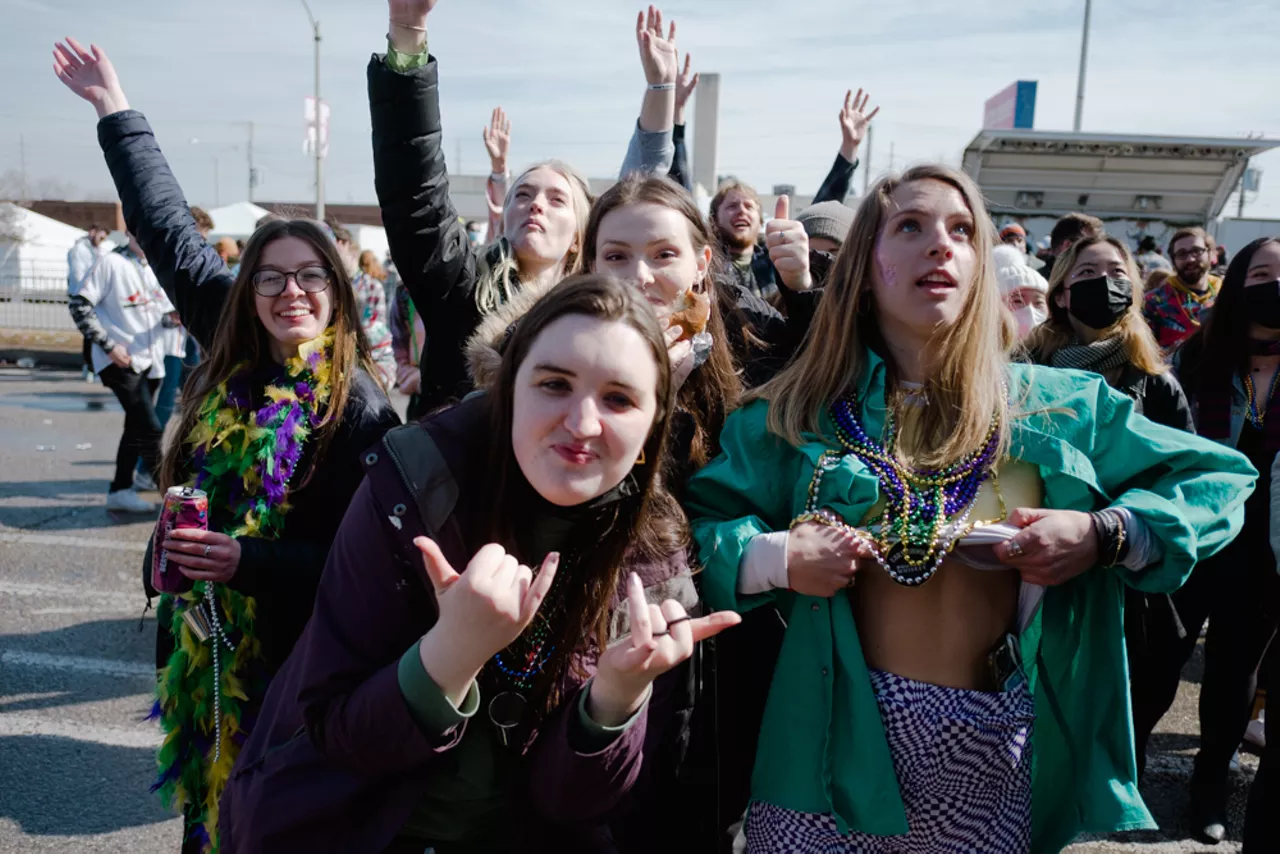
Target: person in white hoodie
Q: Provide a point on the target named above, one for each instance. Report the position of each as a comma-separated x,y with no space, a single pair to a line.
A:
1024,290
81,258
121,308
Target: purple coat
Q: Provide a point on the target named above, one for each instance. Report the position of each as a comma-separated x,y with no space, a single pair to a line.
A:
335,760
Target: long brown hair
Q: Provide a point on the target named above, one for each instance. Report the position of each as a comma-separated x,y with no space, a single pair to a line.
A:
647,524
240,339
1055,333
713,390
967,370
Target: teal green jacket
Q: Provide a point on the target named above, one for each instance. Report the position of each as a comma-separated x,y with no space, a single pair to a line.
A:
822,747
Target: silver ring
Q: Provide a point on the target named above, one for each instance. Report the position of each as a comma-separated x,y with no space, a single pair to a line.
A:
207,549
1015,550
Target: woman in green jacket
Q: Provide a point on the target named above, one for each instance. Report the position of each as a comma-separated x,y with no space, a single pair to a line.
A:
986,709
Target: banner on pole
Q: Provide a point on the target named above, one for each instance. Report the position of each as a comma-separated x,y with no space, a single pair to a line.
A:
309,115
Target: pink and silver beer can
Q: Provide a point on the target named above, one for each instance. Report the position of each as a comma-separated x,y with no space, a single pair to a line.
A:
184,507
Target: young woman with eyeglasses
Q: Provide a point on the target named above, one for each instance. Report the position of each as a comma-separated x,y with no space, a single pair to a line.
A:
271,427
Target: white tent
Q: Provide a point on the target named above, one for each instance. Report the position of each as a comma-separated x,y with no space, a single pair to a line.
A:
371,237
238,220
33,250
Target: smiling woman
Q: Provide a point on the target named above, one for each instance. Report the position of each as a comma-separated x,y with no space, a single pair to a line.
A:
272,426
502,708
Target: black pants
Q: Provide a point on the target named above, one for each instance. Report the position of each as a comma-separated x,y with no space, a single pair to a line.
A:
1235,591
1262,821
86,354
142,430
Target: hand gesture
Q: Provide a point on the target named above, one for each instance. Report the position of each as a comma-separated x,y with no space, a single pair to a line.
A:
822,560
685,84
1053,547
661,637
90,74
854,119
788,247
497,140
481,611
659,56
203,555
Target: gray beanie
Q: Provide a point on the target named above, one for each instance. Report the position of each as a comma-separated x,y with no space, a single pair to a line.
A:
831,220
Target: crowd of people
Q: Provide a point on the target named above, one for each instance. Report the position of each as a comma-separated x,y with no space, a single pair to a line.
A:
865,530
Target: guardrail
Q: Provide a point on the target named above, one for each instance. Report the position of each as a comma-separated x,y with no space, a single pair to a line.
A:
34,304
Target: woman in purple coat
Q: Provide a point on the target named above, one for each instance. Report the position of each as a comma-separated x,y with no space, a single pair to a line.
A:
499,708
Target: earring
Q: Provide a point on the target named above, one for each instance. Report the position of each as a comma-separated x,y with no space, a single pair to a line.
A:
640,460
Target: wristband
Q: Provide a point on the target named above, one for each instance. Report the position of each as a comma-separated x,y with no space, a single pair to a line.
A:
661,87
408,27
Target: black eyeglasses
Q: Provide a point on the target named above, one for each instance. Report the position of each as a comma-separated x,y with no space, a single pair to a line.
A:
312,279
1189,254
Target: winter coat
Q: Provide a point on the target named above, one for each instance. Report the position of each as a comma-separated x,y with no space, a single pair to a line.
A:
283,573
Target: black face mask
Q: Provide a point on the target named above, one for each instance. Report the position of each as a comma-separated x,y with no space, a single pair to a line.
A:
1101,301
1263,304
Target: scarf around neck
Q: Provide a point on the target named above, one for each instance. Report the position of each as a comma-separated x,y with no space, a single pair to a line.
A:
1099,357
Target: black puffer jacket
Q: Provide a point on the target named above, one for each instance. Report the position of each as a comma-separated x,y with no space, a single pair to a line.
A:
283,573
437,263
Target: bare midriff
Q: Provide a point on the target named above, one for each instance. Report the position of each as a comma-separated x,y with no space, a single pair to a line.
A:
942,631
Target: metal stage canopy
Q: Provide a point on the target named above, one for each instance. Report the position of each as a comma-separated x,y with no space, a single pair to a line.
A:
1174,179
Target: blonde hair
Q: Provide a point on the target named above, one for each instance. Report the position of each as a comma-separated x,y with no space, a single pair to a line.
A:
966,377
501,280
1140,345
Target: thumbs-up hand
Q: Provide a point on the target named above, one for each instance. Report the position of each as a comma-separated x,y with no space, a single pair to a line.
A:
482,611
788,247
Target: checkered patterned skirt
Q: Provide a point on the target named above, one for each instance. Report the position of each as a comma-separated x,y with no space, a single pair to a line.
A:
963,762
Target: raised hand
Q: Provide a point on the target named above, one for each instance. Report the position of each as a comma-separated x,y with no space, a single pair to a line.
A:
661,637
854,119
408,23
481,611
788,247
659,56
497,140
90,74
685,84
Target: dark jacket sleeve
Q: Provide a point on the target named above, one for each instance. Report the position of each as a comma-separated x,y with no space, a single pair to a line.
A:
835,187
365,617
156,213
680,160
436,262
86,320
1166,403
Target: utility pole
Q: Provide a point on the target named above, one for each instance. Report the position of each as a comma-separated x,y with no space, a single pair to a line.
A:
1240,205
315,25
866,169
1084,58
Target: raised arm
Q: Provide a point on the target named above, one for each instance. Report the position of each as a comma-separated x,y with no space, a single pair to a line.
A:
497,141
685,84
854,120
650,151
429,245
155,210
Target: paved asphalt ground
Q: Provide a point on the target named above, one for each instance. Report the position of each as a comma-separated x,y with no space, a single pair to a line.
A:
76,663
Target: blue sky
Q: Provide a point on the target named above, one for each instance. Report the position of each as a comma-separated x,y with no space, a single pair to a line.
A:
569,76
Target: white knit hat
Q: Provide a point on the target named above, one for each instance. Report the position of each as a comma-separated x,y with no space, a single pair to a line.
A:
1012,272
